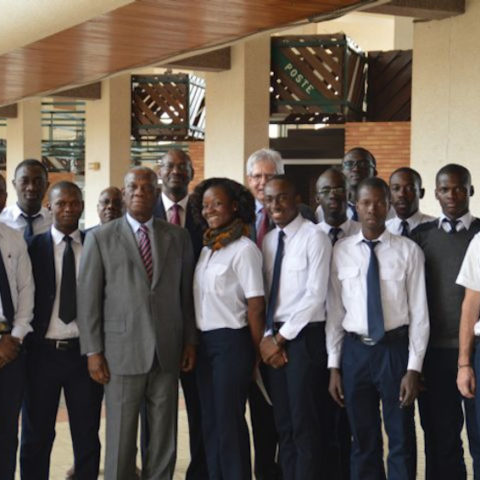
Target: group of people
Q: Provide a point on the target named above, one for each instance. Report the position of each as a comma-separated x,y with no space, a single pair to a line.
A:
316,319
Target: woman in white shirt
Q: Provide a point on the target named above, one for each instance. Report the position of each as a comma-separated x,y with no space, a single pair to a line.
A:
229,305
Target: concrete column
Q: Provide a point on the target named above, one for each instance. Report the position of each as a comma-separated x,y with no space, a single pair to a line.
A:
238,109
446,99
107,141
24,139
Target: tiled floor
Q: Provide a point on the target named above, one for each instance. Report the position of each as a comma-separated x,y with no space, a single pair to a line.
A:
62,456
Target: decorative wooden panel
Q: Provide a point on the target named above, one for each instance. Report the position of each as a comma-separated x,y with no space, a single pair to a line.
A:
168,107
316,79
389,92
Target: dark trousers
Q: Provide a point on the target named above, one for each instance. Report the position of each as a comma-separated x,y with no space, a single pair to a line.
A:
48,371
298,393
265,438
12,384
372,374
197,468
224,371
442,417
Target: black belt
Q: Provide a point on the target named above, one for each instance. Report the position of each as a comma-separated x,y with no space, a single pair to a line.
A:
66,344
390,336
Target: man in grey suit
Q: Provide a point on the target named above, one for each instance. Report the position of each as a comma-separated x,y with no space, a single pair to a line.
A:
137,326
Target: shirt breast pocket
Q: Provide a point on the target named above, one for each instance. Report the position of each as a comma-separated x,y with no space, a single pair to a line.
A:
216,278
296,270
392,283
349,277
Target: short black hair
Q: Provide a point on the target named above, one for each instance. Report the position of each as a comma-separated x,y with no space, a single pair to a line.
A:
455,169
374,182
284,178
31,162
362,152
335,170
235,191
408,171
64,185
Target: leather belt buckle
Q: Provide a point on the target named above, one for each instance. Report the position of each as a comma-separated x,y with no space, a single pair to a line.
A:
62,345
370,342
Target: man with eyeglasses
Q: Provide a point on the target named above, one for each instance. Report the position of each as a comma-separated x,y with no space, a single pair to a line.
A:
406,191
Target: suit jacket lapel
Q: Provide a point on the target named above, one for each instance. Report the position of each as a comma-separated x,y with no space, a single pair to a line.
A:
127,237
160,245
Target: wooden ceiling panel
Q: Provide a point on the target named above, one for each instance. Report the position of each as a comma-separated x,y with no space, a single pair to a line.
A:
142,33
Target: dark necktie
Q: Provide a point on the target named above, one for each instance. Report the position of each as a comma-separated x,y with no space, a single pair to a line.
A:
334,233
146,250
353,209
68,287
376,327
175,215
277,268
28,232
263,228
453,225
405,229
6,296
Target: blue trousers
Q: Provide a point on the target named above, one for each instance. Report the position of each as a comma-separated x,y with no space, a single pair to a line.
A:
225,364
48,371
12,385
298,393
372,374
442,417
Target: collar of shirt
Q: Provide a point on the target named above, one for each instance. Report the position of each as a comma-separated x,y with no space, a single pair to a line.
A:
325,227
17,212
292,228
135,224
168,203
57,236
258,207
412,220
466,220
384,238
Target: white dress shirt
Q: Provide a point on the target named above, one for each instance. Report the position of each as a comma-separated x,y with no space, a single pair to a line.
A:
394,225
304,275
349,227
469,276
12,216
168,204
402,285
224,280
57,329
19,272
463,222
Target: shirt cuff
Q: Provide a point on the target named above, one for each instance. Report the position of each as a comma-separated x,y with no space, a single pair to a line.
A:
20,332
89,354
334,360
415,363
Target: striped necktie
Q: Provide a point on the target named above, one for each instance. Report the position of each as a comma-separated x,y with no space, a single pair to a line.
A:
175,214
145,250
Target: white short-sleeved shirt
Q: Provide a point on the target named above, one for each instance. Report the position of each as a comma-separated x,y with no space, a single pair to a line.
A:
469,276
223,282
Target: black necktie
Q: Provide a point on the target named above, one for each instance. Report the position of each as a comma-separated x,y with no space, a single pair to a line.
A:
68,288
353,209
453,225
277,268
376,327
405,228
6,296
333,234
28,232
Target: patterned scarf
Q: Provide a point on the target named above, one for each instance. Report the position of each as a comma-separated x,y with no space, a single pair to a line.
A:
220,237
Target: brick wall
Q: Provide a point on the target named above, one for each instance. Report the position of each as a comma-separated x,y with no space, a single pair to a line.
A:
196,151
388,141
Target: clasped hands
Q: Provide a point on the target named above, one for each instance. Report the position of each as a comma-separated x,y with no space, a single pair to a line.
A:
272,350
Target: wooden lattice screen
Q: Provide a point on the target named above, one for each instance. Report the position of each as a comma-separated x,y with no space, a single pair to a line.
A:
316,79
389,91
168,107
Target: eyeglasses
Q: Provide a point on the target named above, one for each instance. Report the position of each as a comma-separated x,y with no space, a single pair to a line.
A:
329,190
262,176
351,164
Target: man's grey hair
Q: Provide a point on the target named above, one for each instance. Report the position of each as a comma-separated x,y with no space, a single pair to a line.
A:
265,154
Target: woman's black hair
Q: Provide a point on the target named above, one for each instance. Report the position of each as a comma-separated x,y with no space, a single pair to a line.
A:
235,191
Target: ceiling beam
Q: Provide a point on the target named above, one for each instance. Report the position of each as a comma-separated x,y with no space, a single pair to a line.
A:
9,111
214,61
92,91
421,9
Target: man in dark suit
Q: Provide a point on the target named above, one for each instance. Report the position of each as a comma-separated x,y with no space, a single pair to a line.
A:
176,172
53,349
137,326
